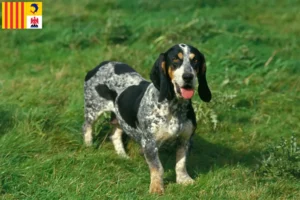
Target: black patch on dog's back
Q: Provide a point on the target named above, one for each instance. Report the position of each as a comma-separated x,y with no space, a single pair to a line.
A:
105,92
129,102
91,73
122,68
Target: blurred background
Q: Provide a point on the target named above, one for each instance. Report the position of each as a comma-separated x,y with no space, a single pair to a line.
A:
253,67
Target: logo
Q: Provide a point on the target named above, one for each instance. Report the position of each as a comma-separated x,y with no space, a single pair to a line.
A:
34,22
36,8
22,15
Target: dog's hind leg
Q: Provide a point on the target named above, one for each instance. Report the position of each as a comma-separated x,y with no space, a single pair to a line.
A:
116,139
116,136
88,126
98,98
87,133
92,111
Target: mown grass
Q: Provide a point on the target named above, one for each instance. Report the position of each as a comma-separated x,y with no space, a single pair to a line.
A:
252,53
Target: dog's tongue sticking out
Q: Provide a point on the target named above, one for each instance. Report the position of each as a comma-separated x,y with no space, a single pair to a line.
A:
187,93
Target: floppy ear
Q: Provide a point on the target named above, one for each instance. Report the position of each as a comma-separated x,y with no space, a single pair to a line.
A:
160,79
203,89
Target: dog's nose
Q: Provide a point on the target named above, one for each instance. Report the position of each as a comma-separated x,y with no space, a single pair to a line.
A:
187,77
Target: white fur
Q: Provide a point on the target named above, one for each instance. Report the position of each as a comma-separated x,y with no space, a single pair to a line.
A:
88,137
182,176
116,139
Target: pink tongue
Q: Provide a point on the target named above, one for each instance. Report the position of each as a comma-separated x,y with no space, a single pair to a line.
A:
187,93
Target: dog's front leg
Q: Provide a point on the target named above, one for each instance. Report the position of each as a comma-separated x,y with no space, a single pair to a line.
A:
156,169
182,176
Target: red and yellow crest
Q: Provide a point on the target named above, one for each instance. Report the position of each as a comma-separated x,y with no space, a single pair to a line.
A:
22,15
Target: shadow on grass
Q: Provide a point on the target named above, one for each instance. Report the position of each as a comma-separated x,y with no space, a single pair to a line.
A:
6,119
203,157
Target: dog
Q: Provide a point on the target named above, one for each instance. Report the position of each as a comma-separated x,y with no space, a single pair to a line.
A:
149,112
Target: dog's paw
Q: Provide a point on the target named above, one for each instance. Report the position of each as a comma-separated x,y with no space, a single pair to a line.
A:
123,155
88,143
185,180
156,187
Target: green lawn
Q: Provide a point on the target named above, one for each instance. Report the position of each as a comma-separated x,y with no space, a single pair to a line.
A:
252,50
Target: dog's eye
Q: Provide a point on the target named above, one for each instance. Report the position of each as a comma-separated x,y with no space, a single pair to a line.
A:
176,60
194,61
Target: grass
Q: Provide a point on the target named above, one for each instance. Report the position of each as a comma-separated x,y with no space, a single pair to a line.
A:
252,52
